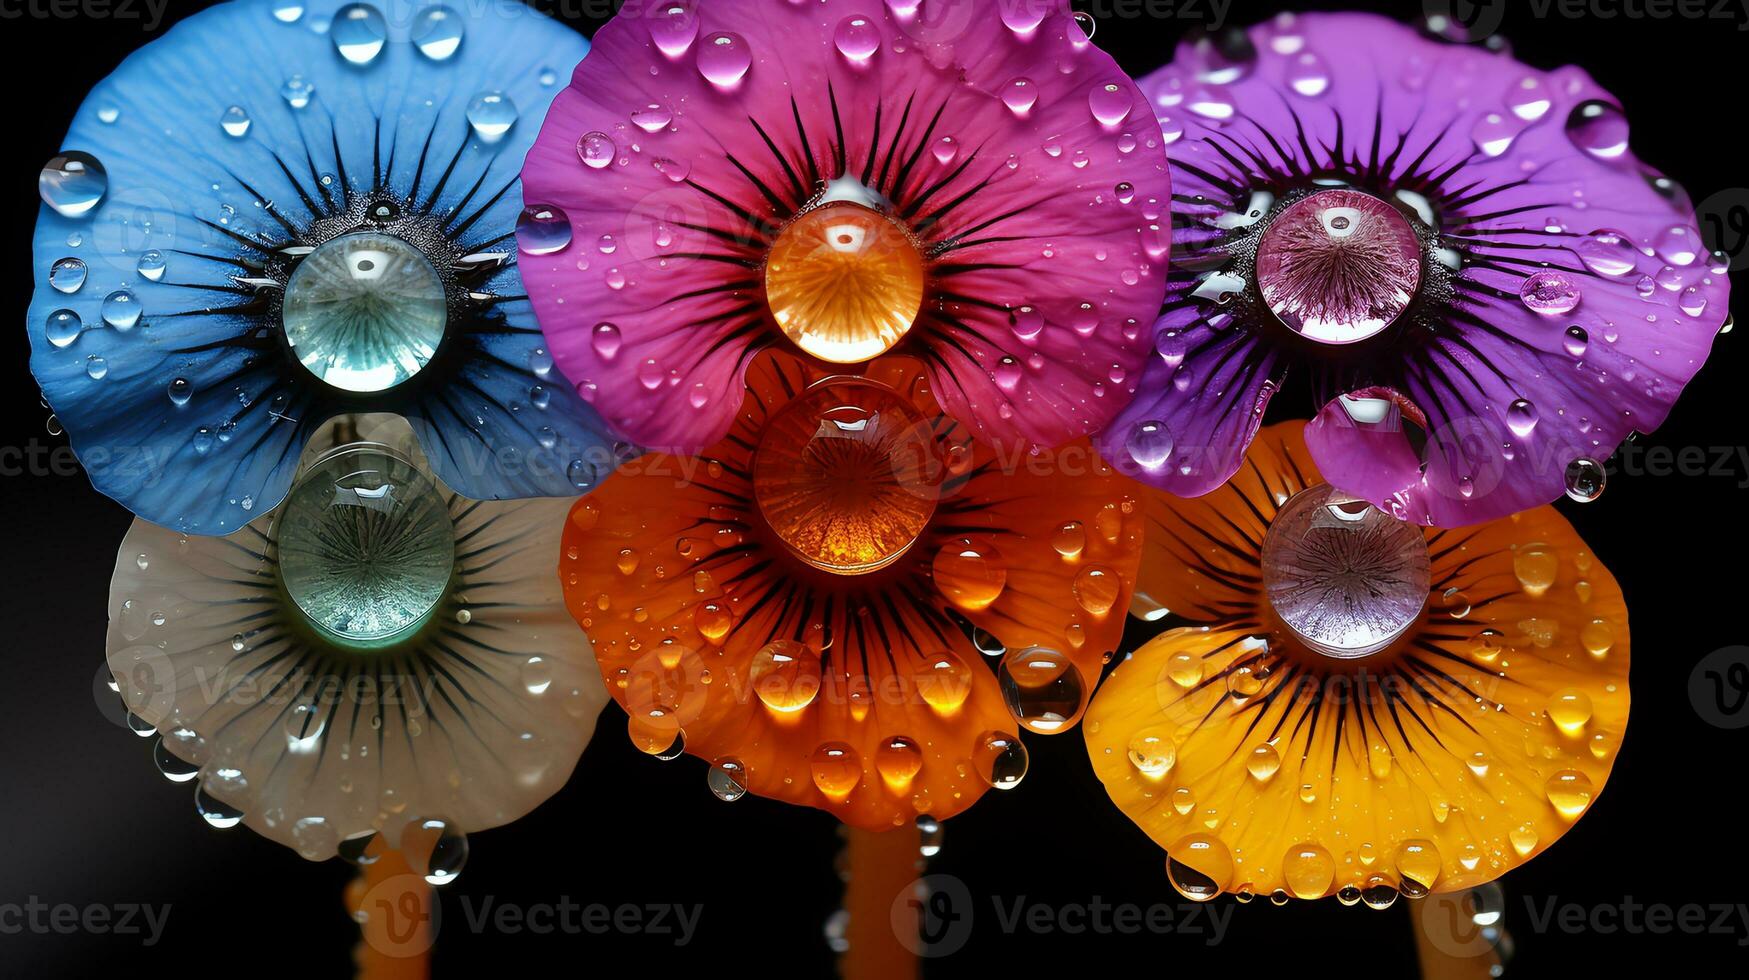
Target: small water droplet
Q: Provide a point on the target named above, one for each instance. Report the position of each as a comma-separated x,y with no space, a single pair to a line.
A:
235,122
121,310
63,327
724,59
543,230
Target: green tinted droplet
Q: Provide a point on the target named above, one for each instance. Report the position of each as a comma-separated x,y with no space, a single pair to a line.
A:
365,311
366,547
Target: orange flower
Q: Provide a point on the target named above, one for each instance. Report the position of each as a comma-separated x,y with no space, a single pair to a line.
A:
1361,707
804,605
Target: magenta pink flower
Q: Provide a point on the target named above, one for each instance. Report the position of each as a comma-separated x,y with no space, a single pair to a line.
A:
1485,288
970,182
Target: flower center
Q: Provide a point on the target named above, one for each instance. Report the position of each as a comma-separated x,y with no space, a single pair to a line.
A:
847,475
366,546
365,311
844,281
1342,576
1339,266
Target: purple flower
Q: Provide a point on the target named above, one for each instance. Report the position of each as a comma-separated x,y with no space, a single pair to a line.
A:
1484,287
969,182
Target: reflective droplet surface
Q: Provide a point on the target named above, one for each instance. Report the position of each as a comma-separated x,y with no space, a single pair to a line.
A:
1001,759
365,311
845,475
1599,129
723,59
785,675
844,282
970,572
1339,266
1550,293
491,114
358,32
1043,688
1199,866
121,310
67,275
73,183
1585,479
1345,578
543,229
366,547
727,779
62,328
437,32
235,122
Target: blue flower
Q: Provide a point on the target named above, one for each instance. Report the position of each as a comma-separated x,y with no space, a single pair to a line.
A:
286,210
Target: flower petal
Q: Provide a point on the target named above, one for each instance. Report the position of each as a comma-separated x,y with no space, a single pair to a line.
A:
473,720
1437,764
1565,300
177,392
693,132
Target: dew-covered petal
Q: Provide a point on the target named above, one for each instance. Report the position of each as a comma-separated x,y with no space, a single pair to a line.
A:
473,716
187,380
1564,300
693,133
1457,754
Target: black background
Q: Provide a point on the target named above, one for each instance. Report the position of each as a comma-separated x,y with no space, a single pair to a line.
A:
85,817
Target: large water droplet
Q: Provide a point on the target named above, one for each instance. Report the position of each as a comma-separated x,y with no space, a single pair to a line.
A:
724,58
1109,103
1585,480
73,183
857,38
491,114
674,27
596,150
727,779
1043,688
1598,128
1550,293
63,327
1149,444
1001,758
358,32
1521,417
67,275
121,310
437,32
542,229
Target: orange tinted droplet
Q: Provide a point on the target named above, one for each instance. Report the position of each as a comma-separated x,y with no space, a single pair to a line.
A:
845,476
844,281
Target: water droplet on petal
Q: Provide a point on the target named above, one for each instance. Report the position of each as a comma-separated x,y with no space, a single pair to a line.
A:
596,150
1585,480
674,27
73,183
491,114
857,38
542,229
358,32
1521,417
121,310
1550,293
63,327
297,92
235,122
1599,129
724,58
67,275
1019,95
1110,103
437,33
727,779
1150,444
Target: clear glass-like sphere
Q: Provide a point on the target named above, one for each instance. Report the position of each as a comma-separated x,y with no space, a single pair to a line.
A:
365,311
1339,266
844,281
1345,578
846,475
366,546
